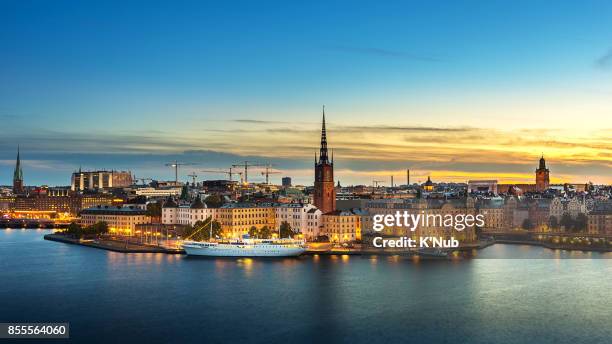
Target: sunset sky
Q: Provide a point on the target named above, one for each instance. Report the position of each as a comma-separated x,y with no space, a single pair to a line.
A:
457,91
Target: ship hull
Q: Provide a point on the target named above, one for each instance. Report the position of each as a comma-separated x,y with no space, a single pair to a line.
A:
242,251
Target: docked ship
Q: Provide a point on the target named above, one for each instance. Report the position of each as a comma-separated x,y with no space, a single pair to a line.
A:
246,248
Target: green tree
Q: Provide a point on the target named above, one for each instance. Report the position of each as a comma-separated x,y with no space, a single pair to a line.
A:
99,228
285,230
580,223
264,233
75,230
185,193
213,201
154,209
527,224
567,221
201,230
552,222
253,232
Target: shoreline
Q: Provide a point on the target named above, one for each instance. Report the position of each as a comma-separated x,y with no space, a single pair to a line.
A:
122,247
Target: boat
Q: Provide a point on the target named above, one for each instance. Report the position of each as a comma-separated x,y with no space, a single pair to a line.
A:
432,253
246,248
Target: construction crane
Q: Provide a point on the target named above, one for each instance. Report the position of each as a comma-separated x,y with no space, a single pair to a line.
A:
229,172
268,172
194,176
246,165
376,182
176,165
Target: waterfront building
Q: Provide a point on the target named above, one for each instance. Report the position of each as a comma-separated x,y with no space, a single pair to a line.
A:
493,212
18,176
298,215
174,214
572,206
324,191
99,180
342,226
600,218
539,214
542,176
120,220
56,201
426,207
236,219
312,230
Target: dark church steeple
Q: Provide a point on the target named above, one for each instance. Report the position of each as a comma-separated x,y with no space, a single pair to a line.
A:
18,175
324,192
323,159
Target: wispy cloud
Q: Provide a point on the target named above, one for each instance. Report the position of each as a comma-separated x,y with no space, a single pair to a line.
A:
604,61
255,121
383,53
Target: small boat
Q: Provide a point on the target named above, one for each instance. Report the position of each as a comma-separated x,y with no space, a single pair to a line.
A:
246,248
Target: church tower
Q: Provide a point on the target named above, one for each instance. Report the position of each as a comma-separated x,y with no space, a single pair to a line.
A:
324,192
18,176
542,176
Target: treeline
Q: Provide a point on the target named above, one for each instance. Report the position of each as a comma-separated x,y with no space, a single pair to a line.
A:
79,231
575,225
201,231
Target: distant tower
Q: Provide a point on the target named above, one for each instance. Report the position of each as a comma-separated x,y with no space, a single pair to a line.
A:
286,182
18,176
542,176
324,192
407,177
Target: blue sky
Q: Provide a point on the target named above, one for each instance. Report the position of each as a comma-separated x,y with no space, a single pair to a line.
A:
129,85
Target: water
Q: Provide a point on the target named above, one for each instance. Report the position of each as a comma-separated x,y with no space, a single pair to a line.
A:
113,297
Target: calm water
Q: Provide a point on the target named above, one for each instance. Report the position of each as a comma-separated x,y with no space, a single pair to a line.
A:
164,298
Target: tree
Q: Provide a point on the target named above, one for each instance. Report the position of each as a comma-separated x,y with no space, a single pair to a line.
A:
154,209
285,230
213,201
264,232
75,230
580,223
253,232
99,228
552,222
567,221
527,224
201,230
185,193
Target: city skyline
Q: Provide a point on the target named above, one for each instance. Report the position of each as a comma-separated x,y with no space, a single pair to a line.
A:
457,97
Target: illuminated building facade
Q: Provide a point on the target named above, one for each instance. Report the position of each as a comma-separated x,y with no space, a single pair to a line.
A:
342,226
237,219
120,220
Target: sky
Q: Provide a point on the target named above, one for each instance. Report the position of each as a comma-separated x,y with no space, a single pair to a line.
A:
455,90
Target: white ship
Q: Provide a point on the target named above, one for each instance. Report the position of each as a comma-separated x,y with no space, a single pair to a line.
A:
246,248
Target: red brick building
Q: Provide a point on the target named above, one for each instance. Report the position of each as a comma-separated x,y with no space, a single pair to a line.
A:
324,192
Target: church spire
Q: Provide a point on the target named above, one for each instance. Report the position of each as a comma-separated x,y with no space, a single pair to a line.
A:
323,151
18,175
